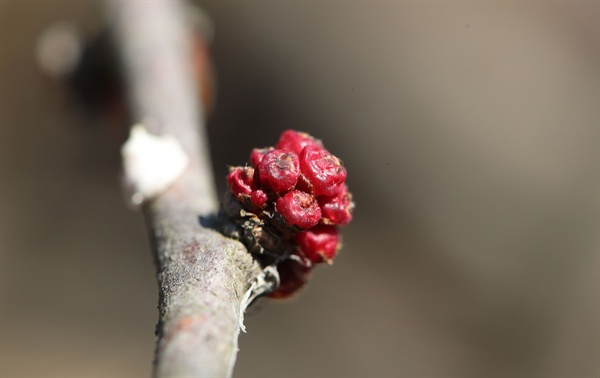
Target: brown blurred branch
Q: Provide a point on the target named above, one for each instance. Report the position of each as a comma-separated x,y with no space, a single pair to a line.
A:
202,275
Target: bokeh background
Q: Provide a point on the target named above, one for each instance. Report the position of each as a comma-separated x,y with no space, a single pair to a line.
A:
471,134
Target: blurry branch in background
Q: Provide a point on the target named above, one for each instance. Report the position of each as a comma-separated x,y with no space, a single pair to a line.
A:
203,276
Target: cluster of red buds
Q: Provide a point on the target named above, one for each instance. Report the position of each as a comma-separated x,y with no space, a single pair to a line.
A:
286,206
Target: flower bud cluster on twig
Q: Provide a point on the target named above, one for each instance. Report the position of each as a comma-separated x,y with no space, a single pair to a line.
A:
286,206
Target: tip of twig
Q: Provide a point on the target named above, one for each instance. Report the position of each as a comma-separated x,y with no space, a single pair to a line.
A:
59,49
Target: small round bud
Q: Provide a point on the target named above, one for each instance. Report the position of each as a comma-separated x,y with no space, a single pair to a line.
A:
279,170
293,276
337,210
257,155
323,170
295,141
319,244
258,199
240,180
299,209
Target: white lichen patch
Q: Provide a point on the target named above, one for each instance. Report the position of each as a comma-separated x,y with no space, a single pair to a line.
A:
151,163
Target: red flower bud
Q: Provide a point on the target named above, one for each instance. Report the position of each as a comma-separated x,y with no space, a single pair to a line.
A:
293,276
295,141
299,209
240,180
323,170
257,155
319,244
279,170
258,198
337,210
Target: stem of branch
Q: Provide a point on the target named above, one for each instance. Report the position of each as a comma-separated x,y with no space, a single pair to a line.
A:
203,276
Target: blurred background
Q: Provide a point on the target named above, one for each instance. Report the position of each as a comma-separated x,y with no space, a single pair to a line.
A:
471,135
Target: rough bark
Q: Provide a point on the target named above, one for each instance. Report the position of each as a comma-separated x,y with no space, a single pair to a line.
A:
203,276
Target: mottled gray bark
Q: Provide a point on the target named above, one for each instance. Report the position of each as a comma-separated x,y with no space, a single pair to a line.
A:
203,276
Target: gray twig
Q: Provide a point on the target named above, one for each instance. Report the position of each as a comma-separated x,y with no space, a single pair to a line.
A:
203,276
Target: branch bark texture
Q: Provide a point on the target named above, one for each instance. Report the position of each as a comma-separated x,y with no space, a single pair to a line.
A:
202,275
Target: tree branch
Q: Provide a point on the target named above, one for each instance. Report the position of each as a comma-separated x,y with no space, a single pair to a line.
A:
204,277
